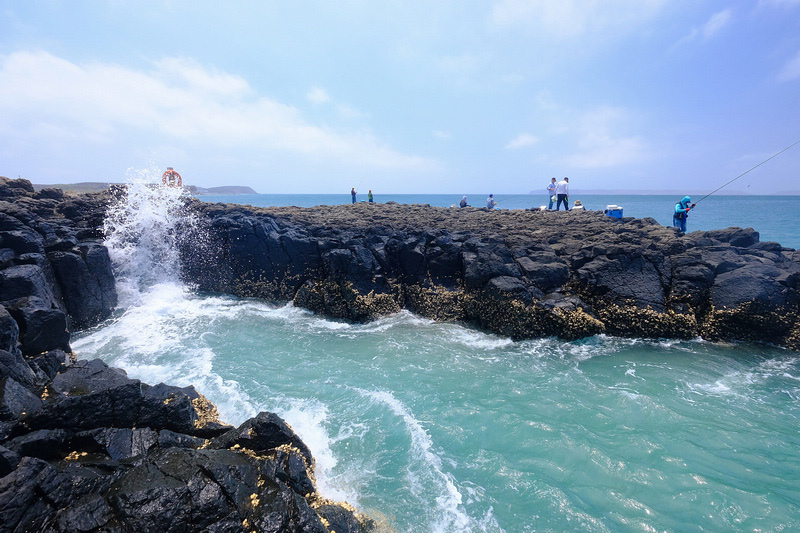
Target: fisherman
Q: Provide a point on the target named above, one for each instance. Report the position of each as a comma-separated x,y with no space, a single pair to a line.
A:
463,202
369,196
353,194
682,209
551,193
578,206
562,194
490,203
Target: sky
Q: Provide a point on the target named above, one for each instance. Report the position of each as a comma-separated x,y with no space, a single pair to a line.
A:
444,96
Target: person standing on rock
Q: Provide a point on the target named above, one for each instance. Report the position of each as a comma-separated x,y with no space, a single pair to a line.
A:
562,194
353,194
551,193
490,203
681,213
369,196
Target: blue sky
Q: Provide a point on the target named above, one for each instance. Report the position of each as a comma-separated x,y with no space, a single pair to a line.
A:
403,97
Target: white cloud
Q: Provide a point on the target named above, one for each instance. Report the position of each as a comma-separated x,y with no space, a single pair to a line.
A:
791,69
521,141
46,98
717,21
442,135
318,96
349,112
711,27
600,143
573,18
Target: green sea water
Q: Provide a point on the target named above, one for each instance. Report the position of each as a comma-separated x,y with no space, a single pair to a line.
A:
437,427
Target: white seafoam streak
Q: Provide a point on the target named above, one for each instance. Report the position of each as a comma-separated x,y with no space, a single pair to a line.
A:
159,331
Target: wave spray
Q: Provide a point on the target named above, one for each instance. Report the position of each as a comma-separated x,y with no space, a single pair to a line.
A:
142,229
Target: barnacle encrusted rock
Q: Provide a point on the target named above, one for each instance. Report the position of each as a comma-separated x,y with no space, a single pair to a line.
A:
519,273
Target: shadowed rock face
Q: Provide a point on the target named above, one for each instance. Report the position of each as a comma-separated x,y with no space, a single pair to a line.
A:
85,448
518,273
55,272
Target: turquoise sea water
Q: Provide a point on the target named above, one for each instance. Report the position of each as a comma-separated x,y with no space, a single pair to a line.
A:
777,218
437,427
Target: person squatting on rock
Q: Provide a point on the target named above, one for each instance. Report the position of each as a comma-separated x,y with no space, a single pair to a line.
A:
562,194
490,203
463,202
578,206
551,193
681,213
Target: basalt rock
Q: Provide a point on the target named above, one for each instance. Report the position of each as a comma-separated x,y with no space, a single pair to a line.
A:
85,448
93,450
55,274
519,273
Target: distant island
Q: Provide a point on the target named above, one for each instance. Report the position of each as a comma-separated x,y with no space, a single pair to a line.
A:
97,186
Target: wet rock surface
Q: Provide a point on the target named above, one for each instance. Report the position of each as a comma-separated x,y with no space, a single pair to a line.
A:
85,448
519,273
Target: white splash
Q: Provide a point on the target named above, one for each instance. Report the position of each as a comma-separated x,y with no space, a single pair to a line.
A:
426,471
141,231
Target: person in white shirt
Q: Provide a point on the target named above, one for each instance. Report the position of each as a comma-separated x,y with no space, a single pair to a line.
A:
562,194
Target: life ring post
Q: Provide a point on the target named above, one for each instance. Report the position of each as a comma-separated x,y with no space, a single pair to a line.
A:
171,178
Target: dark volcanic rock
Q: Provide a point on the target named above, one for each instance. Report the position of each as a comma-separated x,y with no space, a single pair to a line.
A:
518,273
264,432
53,272
42,328
103,452
88,290
85,448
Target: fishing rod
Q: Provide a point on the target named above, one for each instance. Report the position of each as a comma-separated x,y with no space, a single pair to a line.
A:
747,172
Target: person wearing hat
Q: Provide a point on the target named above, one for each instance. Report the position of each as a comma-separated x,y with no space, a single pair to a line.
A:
463,202
562,194
681,213
578,205
369,196
490,203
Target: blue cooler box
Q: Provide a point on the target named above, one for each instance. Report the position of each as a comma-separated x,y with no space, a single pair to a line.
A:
613,211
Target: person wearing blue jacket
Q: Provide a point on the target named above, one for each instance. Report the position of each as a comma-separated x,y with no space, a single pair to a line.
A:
682,209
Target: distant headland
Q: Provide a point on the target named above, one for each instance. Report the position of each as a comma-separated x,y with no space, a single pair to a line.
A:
84,187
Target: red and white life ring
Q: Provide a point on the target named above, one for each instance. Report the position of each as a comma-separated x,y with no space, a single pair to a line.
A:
171,178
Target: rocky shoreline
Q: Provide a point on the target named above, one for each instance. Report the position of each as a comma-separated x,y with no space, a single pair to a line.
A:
85,448
522,274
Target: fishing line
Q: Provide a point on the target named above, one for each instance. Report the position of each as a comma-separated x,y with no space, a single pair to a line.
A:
504,198
747,172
